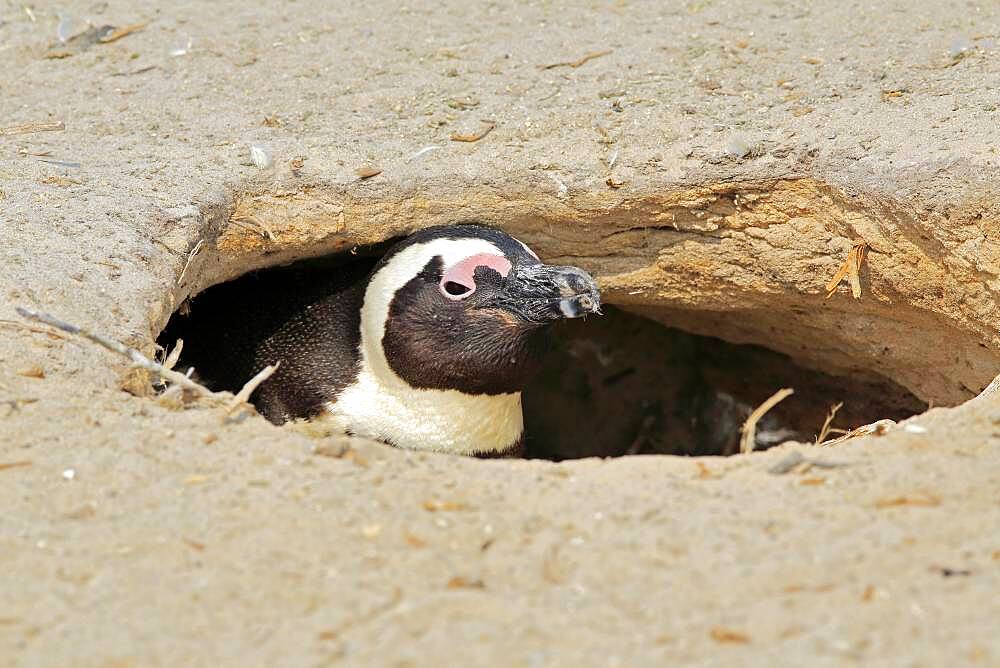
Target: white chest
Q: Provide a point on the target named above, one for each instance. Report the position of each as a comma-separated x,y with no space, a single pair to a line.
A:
437,420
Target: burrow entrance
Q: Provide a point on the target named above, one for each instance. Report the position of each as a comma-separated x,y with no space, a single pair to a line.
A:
622,384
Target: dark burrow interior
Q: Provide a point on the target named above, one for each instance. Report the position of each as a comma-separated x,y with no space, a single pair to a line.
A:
626,385
623,384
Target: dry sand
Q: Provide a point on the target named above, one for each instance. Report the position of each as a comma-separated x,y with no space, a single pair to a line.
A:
713,169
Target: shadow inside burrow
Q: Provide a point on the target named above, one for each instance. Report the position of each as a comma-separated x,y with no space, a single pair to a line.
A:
627,385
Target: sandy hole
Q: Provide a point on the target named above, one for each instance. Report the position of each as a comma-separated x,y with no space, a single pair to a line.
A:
623,384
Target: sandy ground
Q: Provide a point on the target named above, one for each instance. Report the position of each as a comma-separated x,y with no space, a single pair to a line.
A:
135,535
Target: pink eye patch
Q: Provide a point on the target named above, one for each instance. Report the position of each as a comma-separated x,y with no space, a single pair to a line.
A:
458,281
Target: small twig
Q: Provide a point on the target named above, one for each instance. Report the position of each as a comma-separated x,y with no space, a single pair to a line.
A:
138,359
850,270
27,128
455,136
748,438
171,360
190,258
248,220
163,371
878,428
578,62
825,429
118,33
243,396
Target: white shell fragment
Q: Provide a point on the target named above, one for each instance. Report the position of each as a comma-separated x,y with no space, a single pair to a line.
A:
738,147
421,152
182,51
260,156
65,28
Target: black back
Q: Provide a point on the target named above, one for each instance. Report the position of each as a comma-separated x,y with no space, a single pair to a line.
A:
307,316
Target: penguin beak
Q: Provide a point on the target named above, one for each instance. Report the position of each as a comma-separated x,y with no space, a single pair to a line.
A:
542,293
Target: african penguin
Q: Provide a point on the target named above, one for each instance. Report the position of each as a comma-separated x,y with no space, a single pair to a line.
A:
427,349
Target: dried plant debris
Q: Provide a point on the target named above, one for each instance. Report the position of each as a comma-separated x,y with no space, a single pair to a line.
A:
921,499
850,270
438,505
579,61
874,429
61,181
253,223
462,104
80,42
487,128
459,582
705,473
116,34
27,128
190,258
178,380
825,430
368,171
729,636
748,435
170,359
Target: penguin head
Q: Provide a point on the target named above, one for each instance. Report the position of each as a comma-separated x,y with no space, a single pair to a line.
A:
465,308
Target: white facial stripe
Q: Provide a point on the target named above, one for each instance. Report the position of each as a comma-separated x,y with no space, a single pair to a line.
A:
525,246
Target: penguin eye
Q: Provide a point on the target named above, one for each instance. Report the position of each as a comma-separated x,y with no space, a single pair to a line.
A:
455,289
